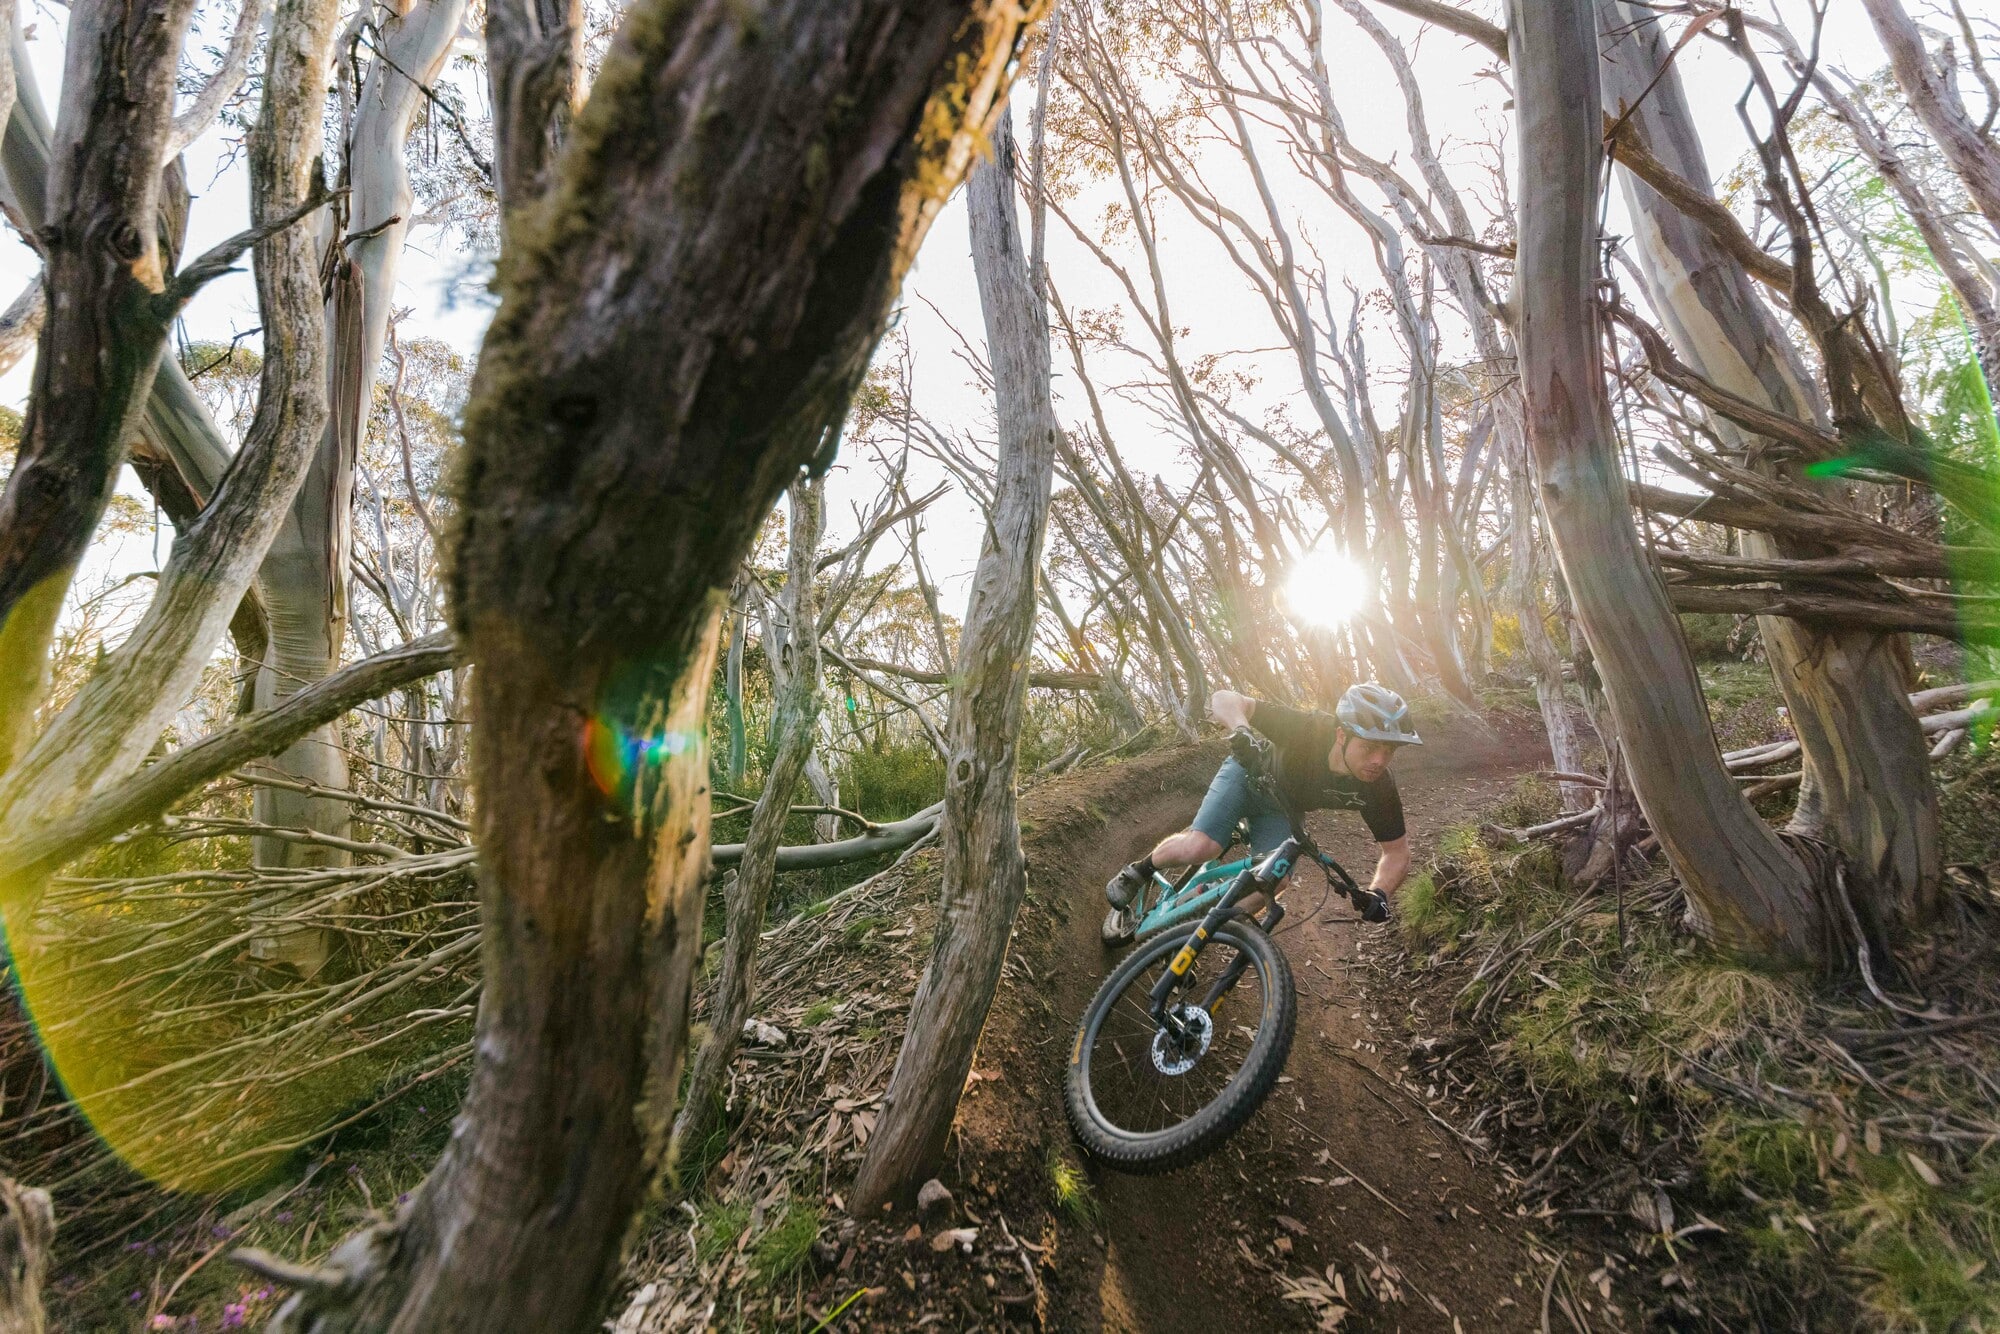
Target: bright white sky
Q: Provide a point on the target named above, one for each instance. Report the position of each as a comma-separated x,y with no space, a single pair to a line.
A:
1209,296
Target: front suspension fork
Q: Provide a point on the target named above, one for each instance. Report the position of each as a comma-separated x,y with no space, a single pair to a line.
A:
1245,884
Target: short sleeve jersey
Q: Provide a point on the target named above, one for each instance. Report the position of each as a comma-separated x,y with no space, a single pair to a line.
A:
1303,739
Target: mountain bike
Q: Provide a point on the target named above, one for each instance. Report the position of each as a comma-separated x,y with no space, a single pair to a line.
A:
1187,1037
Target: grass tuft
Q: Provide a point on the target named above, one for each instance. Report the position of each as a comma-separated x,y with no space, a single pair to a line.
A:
818,1012
1426,916
787,1244
1070,1189
718,1225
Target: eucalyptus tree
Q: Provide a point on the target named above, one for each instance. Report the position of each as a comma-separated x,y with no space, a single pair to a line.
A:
306,576
684,316
1744,886
1931,85
91,386
1866,786
984,873
791,647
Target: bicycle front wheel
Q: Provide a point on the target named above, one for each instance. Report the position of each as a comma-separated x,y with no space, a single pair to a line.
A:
1145,1096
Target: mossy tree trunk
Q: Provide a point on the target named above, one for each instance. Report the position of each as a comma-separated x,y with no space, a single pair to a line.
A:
684,315
985,875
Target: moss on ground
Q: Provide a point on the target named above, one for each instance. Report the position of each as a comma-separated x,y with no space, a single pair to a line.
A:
1802,1150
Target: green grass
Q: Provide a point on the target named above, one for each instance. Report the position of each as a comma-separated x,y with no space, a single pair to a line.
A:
1425,917
786,1245
718,1225
1743,703
1615,1038
857,930
1070,1189
818,1012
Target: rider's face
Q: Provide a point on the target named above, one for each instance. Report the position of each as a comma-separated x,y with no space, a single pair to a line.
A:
1367,760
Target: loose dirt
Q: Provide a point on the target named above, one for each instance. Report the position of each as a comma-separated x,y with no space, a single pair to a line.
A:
1342,1167
1342,1191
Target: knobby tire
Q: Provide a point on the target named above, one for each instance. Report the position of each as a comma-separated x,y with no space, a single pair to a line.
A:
1144,1152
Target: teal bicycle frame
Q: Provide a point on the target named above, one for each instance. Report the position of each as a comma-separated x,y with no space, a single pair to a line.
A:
1195,894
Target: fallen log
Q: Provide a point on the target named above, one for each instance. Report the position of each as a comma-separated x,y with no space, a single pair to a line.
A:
873,843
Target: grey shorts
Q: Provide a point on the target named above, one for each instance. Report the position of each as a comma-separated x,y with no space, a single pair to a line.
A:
1230,798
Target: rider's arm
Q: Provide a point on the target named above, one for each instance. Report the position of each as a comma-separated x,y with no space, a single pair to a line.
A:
1392,866
1231,709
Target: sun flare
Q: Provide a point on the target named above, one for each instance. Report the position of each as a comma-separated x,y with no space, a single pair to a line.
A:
1326,588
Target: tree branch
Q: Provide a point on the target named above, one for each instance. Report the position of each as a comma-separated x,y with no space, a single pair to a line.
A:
159,785
813,856
1922,618
222,259
1453,19
1041,680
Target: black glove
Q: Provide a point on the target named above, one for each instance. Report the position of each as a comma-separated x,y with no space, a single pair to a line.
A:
1374,907
1247,748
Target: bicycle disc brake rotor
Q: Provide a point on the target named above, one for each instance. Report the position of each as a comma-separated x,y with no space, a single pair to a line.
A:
1171,1057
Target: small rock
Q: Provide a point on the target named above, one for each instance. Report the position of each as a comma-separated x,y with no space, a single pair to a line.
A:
759,1033
934,1198
961,1237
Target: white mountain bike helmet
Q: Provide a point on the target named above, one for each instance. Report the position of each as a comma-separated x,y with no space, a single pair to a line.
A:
1374,712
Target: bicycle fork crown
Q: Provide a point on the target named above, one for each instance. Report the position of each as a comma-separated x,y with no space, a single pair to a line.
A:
1174,1055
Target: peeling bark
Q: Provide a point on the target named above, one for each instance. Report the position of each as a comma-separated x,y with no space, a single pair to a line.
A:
1744,887
984,873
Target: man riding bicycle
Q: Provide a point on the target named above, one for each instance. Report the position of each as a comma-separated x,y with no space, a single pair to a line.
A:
1322,763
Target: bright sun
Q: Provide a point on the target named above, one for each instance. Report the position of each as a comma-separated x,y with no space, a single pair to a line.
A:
1325,588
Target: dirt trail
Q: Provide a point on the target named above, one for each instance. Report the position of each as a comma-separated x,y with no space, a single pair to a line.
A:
1201,1249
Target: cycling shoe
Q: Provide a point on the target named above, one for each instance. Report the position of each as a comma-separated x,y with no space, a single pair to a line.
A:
1120,925
1125,886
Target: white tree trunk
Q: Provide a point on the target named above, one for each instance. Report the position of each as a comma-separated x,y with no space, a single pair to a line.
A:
984,873
1867,786
794,722
1743,886
305,576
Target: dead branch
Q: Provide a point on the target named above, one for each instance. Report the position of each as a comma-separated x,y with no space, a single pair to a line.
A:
159,785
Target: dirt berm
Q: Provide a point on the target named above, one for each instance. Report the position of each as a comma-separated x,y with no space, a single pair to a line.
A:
1342,1204
1342,1167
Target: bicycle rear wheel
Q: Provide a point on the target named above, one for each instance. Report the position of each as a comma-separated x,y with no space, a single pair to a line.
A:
1143,1098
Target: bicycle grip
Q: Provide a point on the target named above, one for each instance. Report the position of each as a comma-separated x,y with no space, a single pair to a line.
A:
1374,906
1248,750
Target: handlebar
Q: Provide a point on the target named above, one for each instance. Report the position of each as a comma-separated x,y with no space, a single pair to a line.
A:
1259,759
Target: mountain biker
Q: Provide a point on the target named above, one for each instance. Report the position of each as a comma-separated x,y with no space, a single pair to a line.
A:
1339,763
